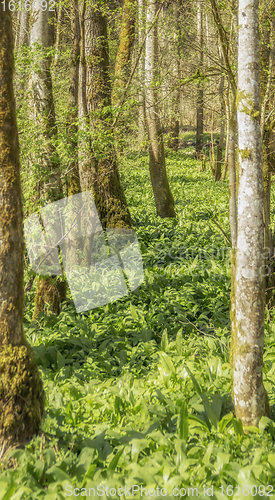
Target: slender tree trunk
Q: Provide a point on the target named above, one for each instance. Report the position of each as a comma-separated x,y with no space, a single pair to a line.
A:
225,165
23,35
232,169
141,98
21,39
126,41
250,398
42,113
163,196
84,143
60,13
220,145
175,125
199,132
104,176
21,392
266,75
73,181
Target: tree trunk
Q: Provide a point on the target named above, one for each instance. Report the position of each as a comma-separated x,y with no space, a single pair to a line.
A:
83,139
73,181
126,40
141,99
104,176
58,33
42,113
250,398
21,392
199,131
266,75
175,125
232,170
23,36
220,145
163,196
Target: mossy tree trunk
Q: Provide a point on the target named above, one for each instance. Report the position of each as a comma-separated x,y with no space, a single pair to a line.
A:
103,178
126,40
250,399
21,391
162,193
49,290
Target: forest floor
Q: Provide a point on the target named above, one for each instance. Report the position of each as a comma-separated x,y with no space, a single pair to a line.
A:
138,391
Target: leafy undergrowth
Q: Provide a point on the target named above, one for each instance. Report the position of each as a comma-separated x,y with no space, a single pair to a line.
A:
138,391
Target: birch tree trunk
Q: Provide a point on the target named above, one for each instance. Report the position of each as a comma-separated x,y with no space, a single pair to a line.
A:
42,114
104,178
250,398
21,392
163,196
199,131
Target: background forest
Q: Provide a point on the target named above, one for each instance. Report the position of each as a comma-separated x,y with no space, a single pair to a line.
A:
136,101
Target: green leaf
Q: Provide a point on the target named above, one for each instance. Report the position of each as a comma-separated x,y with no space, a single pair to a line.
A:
214,421
183,422
196,385
164,341
179,342
238,426
115,460
167,363
226,419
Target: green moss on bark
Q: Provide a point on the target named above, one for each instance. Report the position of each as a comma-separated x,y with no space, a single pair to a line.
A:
22,398
48,296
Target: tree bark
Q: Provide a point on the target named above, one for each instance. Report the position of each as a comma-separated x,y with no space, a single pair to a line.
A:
23,36
21,392
250,398
42,113
267,123
126,40
58,33
220,145
73,181
104,179
141,97
199,131
163,196
175,125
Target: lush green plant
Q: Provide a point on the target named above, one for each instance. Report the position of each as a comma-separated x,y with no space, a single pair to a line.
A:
138,391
